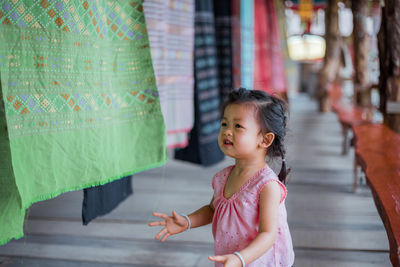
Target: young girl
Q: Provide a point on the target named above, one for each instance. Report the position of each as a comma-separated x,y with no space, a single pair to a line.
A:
247,210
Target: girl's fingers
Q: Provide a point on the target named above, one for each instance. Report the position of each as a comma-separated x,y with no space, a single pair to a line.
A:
174,214
221,259
161,233
157,223
161,215
165,237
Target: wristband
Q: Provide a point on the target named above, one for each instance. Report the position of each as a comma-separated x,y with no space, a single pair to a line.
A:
240,257
189,222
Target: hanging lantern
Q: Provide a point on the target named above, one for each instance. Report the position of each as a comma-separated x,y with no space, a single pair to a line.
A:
306,10
306,47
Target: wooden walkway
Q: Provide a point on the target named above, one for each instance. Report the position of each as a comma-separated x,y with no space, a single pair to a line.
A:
330,225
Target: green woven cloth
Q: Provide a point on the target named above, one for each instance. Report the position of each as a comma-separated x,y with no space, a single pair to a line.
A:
80,105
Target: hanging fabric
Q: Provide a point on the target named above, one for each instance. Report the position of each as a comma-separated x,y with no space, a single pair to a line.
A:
223,36
203,144
278,70
80,105
289,69
100,200
262,47
247,43
235,41
171,32
269,70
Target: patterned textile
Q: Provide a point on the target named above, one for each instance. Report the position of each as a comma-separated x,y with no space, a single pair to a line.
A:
269,71
102,199
171,32
79,105
203,144
247,42
236,49
223,37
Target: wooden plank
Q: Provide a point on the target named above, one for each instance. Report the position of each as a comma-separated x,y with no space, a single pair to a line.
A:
341,239
329,258
129,255
32,262
3,261
326,238
114,230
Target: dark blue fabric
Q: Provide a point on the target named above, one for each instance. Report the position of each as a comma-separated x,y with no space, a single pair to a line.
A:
203,140
223,37
100,200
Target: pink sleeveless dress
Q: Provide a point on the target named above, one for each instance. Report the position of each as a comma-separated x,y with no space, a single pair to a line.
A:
235,221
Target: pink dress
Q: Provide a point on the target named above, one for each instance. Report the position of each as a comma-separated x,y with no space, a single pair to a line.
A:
235,221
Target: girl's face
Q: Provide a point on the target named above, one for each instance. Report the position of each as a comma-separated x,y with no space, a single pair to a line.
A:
240,134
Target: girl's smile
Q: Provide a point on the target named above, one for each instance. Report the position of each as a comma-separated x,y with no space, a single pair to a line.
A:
228,143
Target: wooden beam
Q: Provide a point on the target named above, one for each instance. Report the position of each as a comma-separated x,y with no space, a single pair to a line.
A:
361,41
389,58
332,56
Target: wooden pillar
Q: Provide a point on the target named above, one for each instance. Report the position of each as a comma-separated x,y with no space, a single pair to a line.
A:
361,41
332,56
389,59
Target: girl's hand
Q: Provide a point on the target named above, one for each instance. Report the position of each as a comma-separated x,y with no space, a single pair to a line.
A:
174,224
229,260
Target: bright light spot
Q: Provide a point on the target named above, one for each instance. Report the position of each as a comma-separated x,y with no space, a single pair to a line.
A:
306,47
345,21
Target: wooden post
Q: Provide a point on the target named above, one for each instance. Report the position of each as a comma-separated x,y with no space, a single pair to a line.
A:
389,59
332,56
361,41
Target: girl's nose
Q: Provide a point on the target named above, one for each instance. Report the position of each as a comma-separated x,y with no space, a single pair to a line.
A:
228,132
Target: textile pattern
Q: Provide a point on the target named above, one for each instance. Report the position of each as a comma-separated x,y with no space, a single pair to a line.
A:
80,101
223,36
170,25
203,144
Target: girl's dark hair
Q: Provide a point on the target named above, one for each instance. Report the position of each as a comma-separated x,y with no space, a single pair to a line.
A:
272,115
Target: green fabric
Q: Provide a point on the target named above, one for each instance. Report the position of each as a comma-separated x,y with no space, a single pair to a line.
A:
11,214
80,105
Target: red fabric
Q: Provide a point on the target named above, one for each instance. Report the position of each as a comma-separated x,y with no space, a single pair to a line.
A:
262,39
269,72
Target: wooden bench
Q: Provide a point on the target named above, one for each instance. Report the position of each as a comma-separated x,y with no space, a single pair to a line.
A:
378,154
349,115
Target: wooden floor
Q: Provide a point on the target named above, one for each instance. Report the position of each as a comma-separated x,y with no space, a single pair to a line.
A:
330,225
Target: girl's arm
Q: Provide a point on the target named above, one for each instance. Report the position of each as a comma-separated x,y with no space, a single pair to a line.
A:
176,223
202,216
268,226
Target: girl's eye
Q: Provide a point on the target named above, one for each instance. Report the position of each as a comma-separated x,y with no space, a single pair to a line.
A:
238,126
223,124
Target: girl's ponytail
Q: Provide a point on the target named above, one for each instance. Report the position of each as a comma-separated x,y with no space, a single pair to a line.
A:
284,172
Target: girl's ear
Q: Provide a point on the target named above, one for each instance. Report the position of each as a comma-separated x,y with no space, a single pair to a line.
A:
268,138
